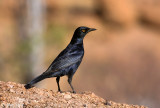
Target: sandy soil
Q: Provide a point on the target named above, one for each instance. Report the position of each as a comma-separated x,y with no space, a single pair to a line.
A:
14,95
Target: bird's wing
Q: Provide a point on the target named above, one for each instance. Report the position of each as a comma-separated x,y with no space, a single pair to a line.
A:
65,60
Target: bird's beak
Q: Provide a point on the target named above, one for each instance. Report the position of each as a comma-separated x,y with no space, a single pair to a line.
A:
91,29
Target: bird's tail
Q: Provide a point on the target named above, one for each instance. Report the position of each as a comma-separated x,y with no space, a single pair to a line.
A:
37,79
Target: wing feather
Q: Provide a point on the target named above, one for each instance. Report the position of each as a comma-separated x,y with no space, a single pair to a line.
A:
65,60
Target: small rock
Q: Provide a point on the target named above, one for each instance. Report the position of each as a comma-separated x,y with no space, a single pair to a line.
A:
11,90
67,96
84,105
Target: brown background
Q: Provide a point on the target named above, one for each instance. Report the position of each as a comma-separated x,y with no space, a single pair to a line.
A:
122,58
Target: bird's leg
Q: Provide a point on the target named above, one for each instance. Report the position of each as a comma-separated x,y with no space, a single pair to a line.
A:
57,79
70,83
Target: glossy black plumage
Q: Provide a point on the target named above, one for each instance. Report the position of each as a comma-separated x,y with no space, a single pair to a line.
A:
67,62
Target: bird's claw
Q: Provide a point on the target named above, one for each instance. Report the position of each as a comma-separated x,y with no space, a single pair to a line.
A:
74,92
60,91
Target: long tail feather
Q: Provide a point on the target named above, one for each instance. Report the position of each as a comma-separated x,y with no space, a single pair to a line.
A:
37,79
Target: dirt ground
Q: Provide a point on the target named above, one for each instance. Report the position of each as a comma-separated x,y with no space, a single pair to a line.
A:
14,95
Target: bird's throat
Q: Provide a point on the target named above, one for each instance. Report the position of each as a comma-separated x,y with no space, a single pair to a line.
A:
76,41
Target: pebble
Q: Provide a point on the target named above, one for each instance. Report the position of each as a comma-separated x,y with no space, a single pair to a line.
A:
67,96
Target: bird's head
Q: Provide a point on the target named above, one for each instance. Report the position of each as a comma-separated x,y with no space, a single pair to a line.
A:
80,32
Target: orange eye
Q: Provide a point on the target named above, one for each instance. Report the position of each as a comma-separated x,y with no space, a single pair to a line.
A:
83,30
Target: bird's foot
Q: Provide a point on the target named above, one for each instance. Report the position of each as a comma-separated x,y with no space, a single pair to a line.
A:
74,92
60,91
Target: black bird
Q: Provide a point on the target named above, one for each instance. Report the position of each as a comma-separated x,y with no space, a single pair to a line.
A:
67,62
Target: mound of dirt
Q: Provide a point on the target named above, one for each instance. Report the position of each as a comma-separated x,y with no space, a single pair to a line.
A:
14,95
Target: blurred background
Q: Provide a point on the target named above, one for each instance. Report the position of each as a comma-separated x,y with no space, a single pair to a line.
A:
122,58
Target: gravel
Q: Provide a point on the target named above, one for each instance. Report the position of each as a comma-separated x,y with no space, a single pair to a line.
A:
13,95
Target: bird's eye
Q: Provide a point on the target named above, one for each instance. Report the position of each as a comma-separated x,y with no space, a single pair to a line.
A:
83,30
